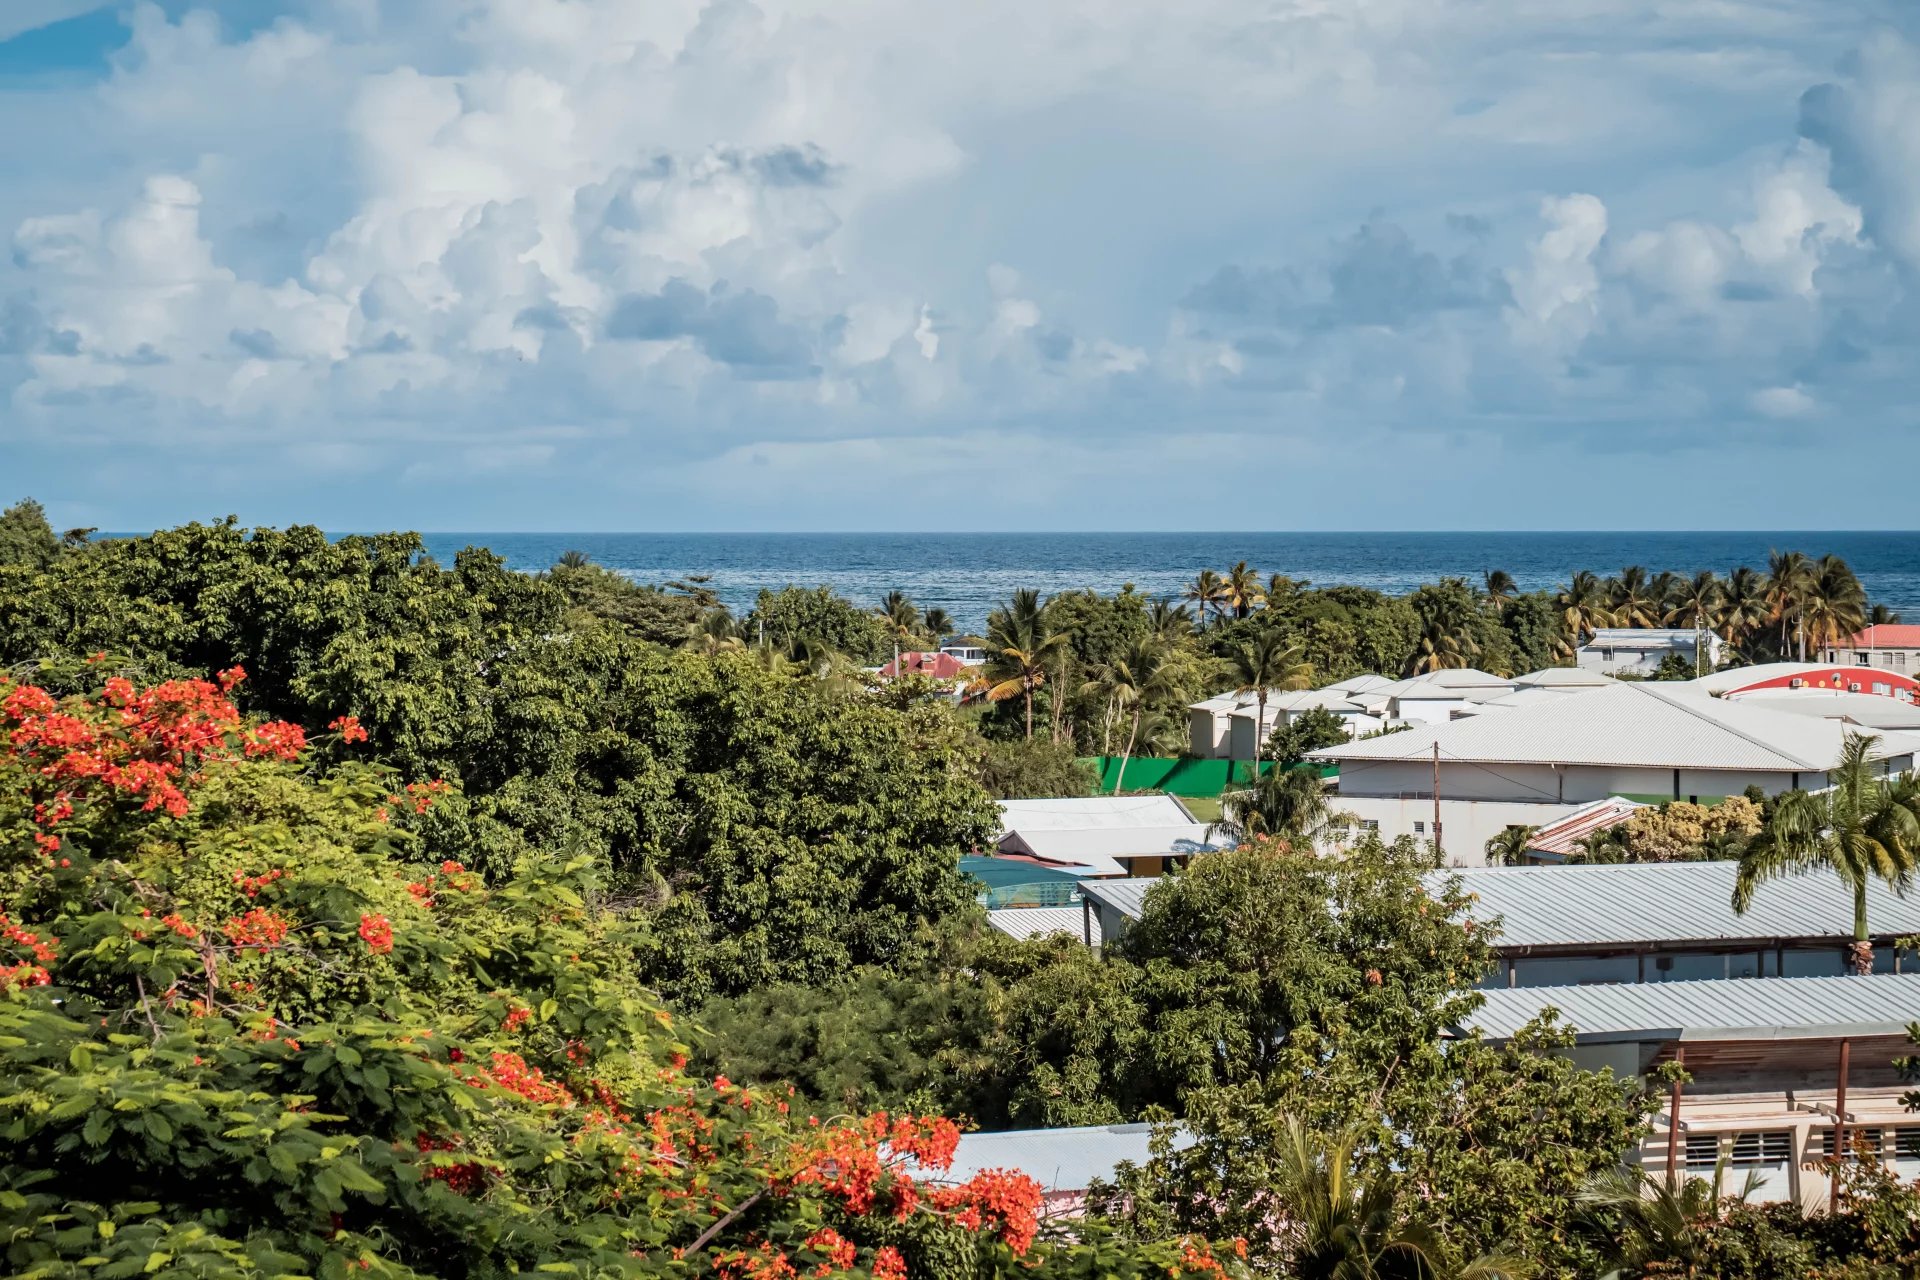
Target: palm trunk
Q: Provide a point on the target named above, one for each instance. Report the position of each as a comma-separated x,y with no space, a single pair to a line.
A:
1059,700
1860,954
1029,696
1119,782
1259,728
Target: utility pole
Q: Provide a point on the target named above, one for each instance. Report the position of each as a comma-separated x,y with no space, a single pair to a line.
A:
1436,799
1839,1133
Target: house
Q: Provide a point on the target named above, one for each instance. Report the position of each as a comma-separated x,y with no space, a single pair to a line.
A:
1563,679
1561,839
1773,679
937,666
970,654
1533,765
1044,922
1112,905
1639,650
1888,646
1065,1162
1433,697
1209,725
1119,835
1653,922
1783,1074
1223,727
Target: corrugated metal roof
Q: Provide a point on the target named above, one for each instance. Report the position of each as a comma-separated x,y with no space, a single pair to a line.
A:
1714,1009
1628,725
1058,1159
1563,837
1885,635
1359,684
1741,677
1124,896
1088,847
1564,678
1040,922
1867,710
1675,902
1087,812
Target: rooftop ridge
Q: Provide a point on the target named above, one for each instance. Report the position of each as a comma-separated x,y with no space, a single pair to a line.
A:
1697,708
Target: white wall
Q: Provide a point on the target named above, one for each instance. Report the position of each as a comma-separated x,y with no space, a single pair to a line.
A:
1466,825
1426,710
1240,739
1206,733
1536,783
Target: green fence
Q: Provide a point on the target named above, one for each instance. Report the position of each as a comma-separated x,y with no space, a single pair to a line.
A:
1182,777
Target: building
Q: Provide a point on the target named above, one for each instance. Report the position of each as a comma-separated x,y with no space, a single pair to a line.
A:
971,654
1065,1162
1112,905
1561,839
1778,1068
1116,835
1666,922
936,666
1888,646
1533,765
1639,650
1045,922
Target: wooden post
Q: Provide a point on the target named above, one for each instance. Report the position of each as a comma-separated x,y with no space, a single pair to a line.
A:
1839,1131
1673,1123
1436,800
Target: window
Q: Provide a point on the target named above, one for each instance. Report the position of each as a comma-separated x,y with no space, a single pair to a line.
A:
1900,658
1703,1150
1419,828
1882,688
1862,659
1372,824
1906,1144
1862,1144
1758,1150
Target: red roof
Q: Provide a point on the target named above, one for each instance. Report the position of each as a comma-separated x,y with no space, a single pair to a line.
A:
1561,838
941,666
1887,635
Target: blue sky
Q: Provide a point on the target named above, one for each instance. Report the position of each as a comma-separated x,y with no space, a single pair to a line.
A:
845,264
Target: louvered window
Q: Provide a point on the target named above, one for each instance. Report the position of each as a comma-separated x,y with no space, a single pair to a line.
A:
1703,1150
1862,1144
1759,1150
1906,1144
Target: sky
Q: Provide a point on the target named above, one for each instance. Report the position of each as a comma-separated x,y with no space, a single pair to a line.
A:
873,264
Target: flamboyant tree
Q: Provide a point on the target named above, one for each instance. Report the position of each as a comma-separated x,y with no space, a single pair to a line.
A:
244,1033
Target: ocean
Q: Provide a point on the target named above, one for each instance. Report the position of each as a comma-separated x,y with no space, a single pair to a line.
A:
968,573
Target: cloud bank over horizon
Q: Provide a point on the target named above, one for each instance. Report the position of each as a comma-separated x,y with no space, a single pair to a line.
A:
723,264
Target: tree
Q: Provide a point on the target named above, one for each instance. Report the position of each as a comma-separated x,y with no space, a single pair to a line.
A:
1660,1222
1536,632
1133,683
792,616
1631,600
1790,578
1261,665
1169,622
1583,605
1497,589
1447,637
938,623
1312,729
645,612
900,616
1835,605
1508,846
1696,602
1864,827
715,632
247,1032
1206,591
1033,769
26,539
1289,803
1019,646
1241,591
1743,606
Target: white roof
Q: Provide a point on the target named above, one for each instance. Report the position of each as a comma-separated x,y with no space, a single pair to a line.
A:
1714,1009
1528,695
1358,684
1629,904
1087,812
1223,702
1867,710
1099,845
1564,678
1057,1159
1041,922
1629,725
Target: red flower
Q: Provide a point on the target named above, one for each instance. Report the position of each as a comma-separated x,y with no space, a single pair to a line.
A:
376,933
888,1264
232,676
258,930
349,728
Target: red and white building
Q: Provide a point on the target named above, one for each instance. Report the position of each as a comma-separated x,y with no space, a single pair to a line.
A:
1889,646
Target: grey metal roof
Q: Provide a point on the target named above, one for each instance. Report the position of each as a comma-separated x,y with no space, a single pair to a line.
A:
1629,726
1867,710
1715,1009
1079,813
1124,896
1041,922
1058,1159
1564,678
1674,902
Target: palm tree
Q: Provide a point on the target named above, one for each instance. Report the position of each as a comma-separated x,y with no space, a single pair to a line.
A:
1019,646
1508,846
1497,587
573,560
1632,601
1790,576
1241,590
1743,606
713,632
1347,1228
1663,1222
1261,665
694,587
1695,601
1446,639
1835,606
1207,591
1606,845
938,623
1281,587
1169,622
1881,616
1146,673
1583,605
1292,803
901,616
1864,827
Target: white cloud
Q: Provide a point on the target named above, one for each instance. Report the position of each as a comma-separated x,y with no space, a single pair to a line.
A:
1782,402
1555,295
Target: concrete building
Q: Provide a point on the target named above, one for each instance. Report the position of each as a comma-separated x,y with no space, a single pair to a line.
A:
1888,646
1224,727
1115,835
1639,650
1667,922
1533,765
1784,1073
